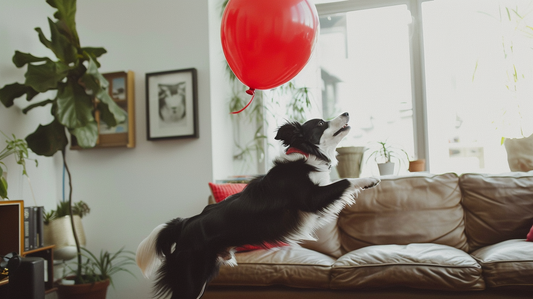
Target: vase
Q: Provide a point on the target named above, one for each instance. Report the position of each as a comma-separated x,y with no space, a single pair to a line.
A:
96,290
58,232
417,165
350,161
519,153
386,168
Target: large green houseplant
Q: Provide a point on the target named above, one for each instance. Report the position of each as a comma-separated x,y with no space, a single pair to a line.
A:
80,90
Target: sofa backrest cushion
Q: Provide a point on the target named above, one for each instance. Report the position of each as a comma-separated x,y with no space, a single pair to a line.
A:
497,207
420,208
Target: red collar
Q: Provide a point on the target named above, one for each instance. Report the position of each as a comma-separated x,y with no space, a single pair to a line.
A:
293,150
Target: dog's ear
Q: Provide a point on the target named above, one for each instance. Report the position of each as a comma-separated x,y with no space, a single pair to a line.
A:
289,132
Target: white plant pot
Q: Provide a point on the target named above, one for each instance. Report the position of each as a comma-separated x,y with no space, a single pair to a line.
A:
519,153
58,232
386,168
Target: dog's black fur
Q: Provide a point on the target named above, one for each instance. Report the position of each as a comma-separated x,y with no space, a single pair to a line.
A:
278,207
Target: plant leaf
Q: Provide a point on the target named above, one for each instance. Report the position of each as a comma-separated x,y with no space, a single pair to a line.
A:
74,106
48,139
10,92
96,52
111,113
59,44
86,135
44,77
20,59
93,53
43,38
3,186
40,104
66,15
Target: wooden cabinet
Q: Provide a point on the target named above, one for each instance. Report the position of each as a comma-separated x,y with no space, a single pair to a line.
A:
12,240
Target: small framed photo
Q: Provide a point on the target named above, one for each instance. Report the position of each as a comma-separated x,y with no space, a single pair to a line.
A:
172,104
121,91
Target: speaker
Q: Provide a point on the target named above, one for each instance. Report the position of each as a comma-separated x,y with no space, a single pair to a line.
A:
27,282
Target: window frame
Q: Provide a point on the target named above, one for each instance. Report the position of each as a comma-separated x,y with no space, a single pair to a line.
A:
416,49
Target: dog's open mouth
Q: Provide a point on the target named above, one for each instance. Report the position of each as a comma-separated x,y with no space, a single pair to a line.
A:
344,128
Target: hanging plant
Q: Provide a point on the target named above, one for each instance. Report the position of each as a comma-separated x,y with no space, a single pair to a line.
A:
19,149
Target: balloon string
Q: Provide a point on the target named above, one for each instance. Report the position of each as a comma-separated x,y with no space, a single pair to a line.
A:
250,91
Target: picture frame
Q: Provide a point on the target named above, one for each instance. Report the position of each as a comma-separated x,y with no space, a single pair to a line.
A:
121,90
172,104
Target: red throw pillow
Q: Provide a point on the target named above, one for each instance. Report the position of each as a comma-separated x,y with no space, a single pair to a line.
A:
221,192
530,235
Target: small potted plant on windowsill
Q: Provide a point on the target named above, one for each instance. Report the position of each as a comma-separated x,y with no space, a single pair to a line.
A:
386,155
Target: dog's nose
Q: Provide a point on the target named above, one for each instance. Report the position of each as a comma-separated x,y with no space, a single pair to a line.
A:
345,114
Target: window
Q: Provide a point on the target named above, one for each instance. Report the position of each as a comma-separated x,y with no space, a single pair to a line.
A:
445,80
365,70
479,86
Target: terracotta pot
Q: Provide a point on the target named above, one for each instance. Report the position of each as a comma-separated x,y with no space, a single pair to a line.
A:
350,161
417,165
97,290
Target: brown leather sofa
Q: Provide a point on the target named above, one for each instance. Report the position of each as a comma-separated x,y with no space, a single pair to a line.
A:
415,236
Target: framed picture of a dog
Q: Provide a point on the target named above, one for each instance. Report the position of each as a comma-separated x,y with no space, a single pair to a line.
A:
172,104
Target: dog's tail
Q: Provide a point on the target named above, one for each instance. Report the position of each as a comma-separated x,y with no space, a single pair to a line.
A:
147,257
159,244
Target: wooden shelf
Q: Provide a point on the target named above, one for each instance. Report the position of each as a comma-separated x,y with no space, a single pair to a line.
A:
12,239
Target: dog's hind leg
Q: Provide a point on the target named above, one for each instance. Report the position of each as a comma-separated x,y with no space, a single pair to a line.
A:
185,273
203,291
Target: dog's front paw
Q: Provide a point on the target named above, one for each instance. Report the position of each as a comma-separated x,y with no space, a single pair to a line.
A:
365,183
373,183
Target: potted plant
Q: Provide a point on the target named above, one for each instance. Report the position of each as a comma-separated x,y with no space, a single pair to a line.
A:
81,92
19,149
386,155
350,158
97,274
57,229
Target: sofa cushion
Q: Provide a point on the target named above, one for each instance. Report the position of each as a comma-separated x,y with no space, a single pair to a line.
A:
497,207
419,208
506,264
327,240
292,266
422,266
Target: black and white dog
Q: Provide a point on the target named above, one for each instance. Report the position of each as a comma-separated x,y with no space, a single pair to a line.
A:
286,205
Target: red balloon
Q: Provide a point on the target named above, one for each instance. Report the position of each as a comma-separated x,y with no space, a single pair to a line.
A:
268,42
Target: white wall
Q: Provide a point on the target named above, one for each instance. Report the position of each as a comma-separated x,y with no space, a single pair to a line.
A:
130,191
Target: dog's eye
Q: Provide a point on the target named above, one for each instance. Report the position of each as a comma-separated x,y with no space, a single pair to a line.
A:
321,123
